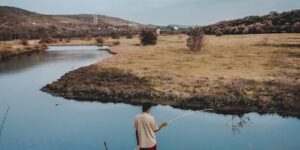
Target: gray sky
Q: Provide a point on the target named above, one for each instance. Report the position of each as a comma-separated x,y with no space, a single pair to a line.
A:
160,12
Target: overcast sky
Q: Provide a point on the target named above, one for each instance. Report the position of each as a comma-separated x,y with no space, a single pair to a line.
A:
160,12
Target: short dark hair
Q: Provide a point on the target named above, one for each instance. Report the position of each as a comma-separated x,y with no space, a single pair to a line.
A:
146,106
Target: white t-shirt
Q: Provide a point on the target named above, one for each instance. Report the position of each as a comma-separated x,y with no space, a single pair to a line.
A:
145,124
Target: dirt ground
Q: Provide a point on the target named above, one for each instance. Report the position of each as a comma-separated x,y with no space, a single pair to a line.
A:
232,73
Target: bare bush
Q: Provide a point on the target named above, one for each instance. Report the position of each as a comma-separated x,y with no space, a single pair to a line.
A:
264,41
219,33
115,35
47,41
99,40
88,38
246,30
296,27
115,43
148,37
40,46
24,42
129,36
195,41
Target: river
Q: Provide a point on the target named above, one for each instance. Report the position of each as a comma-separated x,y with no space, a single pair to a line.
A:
39,121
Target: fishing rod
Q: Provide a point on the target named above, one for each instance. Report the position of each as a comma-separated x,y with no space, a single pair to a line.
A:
186,115
3,121
105,145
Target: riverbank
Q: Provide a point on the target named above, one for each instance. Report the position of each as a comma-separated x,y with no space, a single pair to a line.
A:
83,42
17,47
233,73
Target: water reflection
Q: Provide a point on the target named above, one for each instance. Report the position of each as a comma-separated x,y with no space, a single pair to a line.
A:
238,122
54,54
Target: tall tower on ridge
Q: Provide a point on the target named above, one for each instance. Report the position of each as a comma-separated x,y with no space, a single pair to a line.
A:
95,19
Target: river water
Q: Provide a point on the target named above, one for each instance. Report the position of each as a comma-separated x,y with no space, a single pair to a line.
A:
39,121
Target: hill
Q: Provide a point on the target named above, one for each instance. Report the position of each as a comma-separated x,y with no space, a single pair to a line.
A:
274,22
18,23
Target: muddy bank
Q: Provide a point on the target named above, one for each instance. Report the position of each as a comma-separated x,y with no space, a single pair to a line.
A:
109,84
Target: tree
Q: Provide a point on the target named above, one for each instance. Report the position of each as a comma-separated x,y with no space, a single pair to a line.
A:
24,42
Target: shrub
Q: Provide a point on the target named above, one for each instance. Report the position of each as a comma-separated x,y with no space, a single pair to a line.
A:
115,35
195,41
24,42
296,27
42,46
88,38
219,33
148,37
264,41
246,30
99,40
129,36
47,40
116,43
235,30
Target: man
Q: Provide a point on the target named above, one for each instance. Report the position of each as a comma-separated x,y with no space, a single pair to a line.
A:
146,127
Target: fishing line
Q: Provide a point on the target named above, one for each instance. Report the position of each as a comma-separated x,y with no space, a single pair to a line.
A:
186,115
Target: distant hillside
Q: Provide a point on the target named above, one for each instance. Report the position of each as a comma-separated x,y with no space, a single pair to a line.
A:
16,23
274,22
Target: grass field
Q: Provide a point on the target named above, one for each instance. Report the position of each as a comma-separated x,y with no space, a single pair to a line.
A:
233,72
245,56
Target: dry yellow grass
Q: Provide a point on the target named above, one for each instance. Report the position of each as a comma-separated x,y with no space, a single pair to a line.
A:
230,57
232,72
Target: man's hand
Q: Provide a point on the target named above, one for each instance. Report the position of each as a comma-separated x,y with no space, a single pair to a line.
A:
163,124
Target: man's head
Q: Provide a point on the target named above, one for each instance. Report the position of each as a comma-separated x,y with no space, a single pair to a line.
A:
146,107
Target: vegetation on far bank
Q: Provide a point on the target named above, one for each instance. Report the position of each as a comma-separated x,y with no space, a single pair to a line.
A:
17,47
